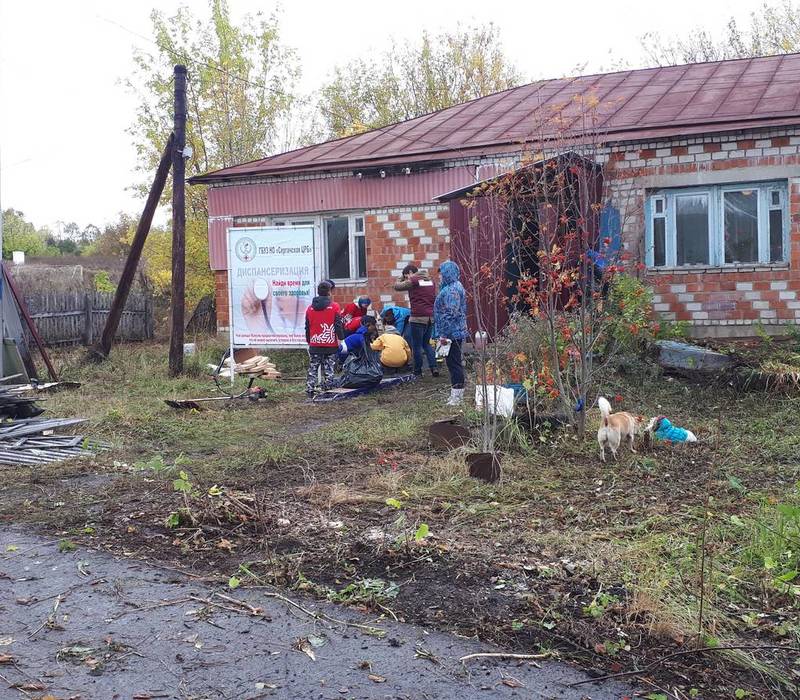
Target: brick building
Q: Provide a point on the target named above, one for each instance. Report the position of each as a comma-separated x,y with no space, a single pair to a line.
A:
701,160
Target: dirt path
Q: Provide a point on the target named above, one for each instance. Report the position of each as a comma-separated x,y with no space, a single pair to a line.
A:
82,624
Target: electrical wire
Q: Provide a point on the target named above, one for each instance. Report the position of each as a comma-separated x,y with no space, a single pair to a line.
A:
182,56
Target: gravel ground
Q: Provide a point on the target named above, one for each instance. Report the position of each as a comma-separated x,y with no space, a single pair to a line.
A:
83,624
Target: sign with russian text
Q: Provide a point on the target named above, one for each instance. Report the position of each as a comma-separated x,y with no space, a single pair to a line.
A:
270,284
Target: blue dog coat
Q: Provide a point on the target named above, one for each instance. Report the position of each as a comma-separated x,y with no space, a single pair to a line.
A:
671,433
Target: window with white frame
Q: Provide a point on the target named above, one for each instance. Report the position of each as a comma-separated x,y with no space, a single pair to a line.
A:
718,225
345,247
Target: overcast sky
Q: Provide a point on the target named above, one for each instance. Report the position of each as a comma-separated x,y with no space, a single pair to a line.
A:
64,151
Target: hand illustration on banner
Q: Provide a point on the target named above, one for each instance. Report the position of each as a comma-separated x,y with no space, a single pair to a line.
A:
257,306
272,279
292,309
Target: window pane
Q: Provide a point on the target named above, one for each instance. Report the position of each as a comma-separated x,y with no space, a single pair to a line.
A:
741,226
337,246
775,198
659,206
359,225
776,235
691,224
659,242
361,253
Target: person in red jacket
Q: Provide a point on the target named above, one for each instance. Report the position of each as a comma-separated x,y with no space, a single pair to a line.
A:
353,313
324,333
421,295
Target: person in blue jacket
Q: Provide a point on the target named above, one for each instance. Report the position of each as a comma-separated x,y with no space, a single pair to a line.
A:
450,318
396,316
354,342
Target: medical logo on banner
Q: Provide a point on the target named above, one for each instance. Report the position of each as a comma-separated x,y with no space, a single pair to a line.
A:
271,284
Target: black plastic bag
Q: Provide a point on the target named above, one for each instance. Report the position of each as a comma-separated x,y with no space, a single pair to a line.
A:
360,370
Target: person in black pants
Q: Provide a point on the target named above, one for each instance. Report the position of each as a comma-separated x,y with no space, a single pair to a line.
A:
450,317
421,296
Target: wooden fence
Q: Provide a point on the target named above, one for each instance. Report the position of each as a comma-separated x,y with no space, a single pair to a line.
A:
78,318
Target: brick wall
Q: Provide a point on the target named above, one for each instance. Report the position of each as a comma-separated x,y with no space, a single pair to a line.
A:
394,238
221,300
714,301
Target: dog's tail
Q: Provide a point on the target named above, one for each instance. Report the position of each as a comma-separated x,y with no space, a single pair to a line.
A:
605,408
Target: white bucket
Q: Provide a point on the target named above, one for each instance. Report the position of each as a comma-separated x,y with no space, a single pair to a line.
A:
189,349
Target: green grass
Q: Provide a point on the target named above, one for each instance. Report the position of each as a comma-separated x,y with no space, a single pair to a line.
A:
636,523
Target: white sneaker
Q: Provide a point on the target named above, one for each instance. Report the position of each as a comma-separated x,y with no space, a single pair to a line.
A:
456,397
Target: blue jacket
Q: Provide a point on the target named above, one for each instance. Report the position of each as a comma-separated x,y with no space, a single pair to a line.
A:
670,433
401,316
450,307
354,343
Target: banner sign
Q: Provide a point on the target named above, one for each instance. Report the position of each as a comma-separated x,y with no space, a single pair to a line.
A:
271,282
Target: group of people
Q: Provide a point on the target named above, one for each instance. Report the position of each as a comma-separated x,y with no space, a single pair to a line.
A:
401,335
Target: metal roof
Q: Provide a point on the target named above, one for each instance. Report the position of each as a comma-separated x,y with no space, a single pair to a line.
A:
631,105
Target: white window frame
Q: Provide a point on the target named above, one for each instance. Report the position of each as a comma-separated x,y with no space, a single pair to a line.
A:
353,235
317,220
716,220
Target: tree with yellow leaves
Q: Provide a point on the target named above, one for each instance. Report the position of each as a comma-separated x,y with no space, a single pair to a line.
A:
412,79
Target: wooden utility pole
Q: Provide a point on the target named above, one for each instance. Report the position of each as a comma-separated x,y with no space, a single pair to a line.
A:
103,347
178,225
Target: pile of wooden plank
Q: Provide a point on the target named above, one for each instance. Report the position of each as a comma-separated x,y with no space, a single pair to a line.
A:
33,441
259,367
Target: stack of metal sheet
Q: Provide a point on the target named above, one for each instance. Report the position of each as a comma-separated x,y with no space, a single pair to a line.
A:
32,441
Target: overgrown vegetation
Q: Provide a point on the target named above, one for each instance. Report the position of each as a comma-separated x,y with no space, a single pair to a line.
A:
609,564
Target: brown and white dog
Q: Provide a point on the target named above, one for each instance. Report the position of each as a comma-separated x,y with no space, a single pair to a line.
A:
615,428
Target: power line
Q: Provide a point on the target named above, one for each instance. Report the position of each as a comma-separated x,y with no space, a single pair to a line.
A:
204,64
186,59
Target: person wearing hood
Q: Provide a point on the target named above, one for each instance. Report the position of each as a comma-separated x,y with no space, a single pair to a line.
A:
395,351
450,319
324,334
421,296
353,313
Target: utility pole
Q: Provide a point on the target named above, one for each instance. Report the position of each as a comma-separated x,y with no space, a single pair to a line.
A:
103,347
178,225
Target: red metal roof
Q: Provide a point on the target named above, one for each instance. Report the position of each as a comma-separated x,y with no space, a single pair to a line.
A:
631,105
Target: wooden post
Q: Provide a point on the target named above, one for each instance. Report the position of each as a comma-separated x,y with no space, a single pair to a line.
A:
178,226
101,350
23,309
88,318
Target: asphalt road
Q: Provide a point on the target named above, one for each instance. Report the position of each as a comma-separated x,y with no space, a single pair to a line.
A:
83,624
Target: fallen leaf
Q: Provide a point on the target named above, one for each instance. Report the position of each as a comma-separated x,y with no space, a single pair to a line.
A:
600,648
82,568
28,686
25,601
305,646
227,545
12,548
5,641
376,679
6,659
263,686
512,683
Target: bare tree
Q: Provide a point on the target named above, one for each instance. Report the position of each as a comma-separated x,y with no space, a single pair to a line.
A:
772,29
